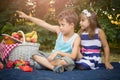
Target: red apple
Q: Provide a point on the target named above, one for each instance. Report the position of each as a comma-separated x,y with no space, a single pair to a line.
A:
27,63
19,33
9,64
26,68
16,35
1,66
34,40
16,61
21,39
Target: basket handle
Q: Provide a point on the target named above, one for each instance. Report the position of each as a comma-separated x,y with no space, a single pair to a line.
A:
23,35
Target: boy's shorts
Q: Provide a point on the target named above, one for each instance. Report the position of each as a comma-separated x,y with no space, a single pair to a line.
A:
70,63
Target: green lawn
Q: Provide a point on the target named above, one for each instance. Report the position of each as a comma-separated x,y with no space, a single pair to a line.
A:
114,55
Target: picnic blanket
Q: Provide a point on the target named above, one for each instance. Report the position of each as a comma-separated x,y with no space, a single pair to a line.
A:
99,74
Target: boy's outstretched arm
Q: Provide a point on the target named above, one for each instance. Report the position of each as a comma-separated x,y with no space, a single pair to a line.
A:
39,22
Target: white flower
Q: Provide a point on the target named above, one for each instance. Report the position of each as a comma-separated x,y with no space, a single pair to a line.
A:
88,14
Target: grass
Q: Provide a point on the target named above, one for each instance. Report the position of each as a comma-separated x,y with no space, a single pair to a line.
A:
114,55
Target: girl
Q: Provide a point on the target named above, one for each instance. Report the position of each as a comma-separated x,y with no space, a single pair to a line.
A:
92,39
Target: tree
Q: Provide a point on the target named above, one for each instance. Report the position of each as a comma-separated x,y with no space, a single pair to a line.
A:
108,12
108,15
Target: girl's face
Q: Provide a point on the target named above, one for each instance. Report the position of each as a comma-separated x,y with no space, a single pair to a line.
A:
84,22
65,27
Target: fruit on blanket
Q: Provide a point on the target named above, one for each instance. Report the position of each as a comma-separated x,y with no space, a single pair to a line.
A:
9,64
19,62
16,61
27,63
1,66
26,68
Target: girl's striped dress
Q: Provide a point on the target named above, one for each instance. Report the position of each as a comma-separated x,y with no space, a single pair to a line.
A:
91,51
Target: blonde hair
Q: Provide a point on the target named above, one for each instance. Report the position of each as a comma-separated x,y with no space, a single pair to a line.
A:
93,23
69,15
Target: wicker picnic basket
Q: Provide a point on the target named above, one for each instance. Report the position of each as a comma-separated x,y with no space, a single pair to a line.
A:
24,50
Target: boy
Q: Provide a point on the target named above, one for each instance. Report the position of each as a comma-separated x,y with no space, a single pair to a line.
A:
67,43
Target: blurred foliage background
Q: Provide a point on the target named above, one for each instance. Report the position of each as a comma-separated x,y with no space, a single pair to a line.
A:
108,12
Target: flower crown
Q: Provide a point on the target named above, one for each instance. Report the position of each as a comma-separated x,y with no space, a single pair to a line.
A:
87,13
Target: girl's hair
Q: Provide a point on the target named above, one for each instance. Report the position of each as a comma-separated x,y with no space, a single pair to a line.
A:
69,15
92,18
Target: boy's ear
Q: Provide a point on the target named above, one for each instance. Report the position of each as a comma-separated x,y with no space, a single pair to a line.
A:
72,24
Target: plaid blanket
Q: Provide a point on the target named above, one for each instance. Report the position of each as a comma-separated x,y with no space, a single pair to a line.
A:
5,49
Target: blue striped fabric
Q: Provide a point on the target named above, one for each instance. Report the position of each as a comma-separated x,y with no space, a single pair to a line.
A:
91,51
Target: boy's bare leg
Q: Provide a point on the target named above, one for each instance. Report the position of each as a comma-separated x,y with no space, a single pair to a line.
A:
58,62
43,61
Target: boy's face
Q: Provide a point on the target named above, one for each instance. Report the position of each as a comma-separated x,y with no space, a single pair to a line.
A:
84,22
65,27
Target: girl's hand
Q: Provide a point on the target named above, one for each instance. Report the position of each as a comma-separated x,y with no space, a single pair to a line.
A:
108,66
22,14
